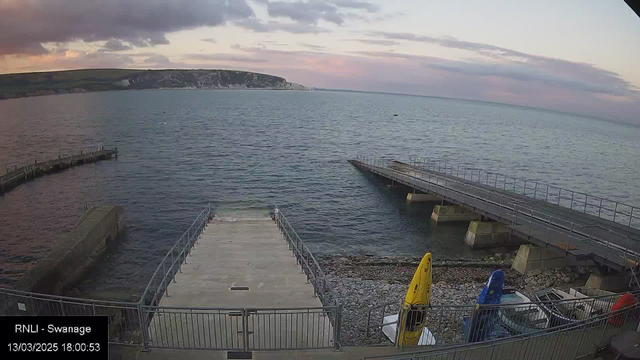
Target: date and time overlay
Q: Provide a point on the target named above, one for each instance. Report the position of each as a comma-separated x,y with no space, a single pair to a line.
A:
43,337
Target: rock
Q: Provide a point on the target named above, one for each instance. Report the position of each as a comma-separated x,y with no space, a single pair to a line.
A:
566,279
534,272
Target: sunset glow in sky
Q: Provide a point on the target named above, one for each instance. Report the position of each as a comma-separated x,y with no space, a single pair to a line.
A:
577,56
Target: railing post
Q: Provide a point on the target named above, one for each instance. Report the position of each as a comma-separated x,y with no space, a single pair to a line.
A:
631,215
573,194
336,327
245,330
144,328
164,279
600,207
615,212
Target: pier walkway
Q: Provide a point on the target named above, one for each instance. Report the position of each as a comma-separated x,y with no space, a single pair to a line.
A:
242,288
18,175
594,231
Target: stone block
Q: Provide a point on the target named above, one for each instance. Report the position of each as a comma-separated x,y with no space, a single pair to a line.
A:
447,213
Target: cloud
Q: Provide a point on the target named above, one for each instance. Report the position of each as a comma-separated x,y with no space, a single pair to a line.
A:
312,11
513,64
26,25
159,60
116,45
62,58
375,41
312,46
273,26
209,40
225,57
355,4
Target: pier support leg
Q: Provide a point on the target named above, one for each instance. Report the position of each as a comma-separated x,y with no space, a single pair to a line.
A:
413,197
487,234
448,213
533,258
614,281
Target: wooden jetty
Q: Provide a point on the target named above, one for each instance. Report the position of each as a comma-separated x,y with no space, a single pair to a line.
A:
21,174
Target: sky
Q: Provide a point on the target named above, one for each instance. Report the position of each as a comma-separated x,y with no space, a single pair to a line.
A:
578,56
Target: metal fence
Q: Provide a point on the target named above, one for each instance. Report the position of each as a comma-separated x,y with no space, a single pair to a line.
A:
451,325
580,238
238,328
242,329
149,325
589,204
304,257
570,341
171,264
124,318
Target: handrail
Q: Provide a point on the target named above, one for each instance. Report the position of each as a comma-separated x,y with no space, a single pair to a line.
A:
536,187
514,208
308,262
40,296
582,324
183,246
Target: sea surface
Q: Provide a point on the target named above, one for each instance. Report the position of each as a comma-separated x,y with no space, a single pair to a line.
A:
245,151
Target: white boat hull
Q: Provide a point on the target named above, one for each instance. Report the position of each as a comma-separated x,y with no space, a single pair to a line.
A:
390,331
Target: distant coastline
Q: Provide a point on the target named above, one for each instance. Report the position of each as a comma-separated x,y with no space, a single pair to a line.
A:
91,80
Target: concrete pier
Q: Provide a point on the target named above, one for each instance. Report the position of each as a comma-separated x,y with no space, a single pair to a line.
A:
244,265
487,234
72,255
413,197
448,213
533,258
18,175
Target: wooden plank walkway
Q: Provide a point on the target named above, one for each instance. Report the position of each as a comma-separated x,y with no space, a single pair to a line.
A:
21,174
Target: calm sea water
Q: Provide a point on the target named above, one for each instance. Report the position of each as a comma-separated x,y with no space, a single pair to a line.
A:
246,150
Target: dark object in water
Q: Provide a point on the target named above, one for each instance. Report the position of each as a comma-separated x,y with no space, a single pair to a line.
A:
395,114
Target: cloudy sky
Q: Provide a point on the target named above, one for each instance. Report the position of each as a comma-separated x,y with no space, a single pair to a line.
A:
573,55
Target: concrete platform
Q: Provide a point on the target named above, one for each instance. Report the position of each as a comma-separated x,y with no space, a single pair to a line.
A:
235,267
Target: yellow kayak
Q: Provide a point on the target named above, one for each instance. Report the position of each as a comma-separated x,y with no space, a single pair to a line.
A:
413,315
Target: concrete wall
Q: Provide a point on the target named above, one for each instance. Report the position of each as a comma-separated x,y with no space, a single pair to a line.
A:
445,213
71,256
487,234
414,197
533,258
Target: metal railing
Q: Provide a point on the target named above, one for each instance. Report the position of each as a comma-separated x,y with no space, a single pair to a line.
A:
570,341
124,318
304,257
149,325
171,264
314,273
589,204
242,329
451,325
613,248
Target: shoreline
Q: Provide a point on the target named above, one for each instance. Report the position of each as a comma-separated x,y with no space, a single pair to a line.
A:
360,282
